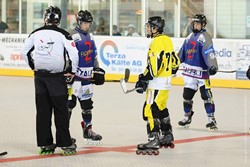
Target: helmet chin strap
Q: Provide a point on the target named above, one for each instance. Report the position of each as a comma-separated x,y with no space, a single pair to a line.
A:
196,31
152,34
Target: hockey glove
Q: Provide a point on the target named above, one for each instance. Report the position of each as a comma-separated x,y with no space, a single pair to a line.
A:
141,83
174,70
248,73
99,76
69,80
212,70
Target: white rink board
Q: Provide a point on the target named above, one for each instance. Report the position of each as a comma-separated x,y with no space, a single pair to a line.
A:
117,53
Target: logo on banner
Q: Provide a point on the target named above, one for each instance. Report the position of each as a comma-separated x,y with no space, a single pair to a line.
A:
105,44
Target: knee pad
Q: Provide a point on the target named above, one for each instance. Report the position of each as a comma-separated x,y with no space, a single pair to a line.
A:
86,104
87,116
155,111
188,93
164,113
206,94
165,119
156,126
210,107
72,102
188,105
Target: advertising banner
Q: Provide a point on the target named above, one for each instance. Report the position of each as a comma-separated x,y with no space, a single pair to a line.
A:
117,53
10,51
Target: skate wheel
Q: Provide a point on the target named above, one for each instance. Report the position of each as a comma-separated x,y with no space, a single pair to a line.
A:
138,152
65,153
143,152
150,152
184,127
92,142
166,146
212,129
156,152
172,146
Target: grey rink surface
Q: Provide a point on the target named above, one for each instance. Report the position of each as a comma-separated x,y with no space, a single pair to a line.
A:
118,118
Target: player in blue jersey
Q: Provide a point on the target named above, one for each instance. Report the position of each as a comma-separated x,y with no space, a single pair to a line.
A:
198,59
87,74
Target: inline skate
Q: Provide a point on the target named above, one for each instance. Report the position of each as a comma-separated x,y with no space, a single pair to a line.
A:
46,150
150,148
184,124
89,135
212,125
166,140
70,150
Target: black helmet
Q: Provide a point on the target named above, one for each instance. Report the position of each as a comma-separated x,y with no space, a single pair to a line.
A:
84,16
200,18
52,15
156,21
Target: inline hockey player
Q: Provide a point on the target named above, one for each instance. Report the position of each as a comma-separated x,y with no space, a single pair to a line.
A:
248,73
156,81
88,73
198,59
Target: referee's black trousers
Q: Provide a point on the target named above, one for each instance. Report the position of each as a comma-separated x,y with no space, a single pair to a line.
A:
51,96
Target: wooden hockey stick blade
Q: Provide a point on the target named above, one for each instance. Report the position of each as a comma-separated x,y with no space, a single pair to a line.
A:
3,153
127,73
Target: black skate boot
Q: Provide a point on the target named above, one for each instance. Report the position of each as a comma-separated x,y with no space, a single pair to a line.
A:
212,125
46,150
184,124
151,147
90,136
166,140
71,150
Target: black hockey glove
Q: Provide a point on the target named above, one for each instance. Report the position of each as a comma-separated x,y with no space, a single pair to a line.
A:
174,70
99,76
212,70
141,83
69,80
248,73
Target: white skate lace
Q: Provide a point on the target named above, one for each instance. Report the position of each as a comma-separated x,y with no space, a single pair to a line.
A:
185,119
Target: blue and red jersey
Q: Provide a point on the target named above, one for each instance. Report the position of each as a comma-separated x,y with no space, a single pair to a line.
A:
197,55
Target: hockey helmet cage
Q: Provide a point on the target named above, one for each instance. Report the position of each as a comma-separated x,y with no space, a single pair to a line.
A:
84,16
52,15
156,21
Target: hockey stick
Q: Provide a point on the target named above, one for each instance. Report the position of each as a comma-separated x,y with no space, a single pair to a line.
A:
124,87
124,80
223,71
3,153
69,79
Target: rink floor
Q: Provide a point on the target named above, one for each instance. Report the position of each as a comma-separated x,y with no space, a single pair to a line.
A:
118,118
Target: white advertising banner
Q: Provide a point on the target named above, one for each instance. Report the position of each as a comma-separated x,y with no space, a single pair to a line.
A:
117,53
10,51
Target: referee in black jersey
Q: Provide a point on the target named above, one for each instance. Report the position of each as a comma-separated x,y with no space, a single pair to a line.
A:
45,51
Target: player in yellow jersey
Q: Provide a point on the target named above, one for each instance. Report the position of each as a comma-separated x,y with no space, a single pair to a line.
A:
162,62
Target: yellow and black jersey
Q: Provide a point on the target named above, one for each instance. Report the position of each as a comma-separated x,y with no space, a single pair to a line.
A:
161,60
